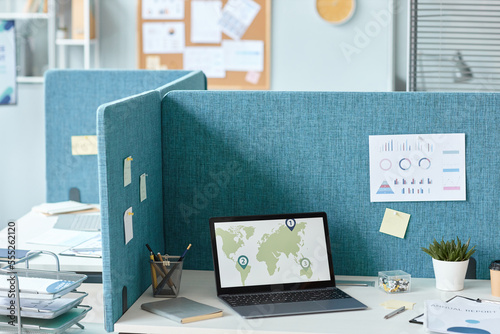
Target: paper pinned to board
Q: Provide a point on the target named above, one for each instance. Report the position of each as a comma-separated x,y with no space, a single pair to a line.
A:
243,56
163,9
209,59
163,37
237,16
205,16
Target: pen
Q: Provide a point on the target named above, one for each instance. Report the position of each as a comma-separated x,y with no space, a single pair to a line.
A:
399,310
157,258
184,254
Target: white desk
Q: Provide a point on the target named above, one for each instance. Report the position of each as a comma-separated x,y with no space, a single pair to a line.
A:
200,286
34,224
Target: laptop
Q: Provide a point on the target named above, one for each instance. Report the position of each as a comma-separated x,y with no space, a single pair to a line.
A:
275,265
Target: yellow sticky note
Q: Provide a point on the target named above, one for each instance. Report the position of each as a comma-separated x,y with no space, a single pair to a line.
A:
395,304
84,145
395,223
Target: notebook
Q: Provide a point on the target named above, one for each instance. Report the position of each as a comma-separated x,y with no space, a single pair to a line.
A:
182,310
276,265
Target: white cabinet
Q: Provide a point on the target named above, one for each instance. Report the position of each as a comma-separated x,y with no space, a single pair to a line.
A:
78,33
35,37
53,34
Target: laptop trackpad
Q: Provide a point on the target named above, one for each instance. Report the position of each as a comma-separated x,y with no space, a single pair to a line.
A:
270,310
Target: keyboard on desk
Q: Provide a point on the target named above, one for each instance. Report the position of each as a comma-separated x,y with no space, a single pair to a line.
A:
284,297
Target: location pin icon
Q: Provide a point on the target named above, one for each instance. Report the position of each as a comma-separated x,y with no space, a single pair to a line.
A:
243,261
290,223
305,263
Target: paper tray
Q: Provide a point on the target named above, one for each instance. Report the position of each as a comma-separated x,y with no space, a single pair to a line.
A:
41,284
57,325
44,309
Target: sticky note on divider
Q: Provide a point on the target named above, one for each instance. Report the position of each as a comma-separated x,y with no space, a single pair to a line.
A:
83,145
395,223
142,187
128,225
127,171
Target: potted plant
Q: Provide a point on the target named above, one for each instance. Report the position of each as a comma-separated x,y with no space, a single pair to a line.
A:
450,260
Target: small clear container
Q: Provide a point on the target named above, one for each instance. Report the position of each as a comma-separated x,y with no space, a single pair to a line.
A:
394,281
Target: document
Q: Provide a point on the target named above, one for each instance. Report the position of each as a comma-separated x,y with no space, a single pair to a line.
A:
64,238
417,167
163,9
163,37
205,16
237,16
243,56
461,315
63,207
89,248
209,59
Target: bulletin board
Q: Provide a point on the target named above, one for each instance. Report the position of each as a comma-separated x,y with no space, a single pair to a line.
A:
229,40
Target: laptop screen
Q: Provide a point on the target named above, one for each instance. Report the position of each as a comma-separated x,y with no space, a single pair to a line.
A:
271,250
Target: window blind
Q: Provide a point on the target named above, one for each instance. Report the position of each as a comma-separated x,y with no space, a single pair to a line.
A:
454,45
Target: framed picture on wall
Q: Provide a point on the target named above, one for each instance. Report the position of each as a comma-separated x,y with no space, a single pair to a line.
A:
8,83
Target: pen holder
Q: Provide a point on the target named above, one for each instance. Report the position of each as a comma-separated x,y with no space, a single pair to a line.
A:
166,276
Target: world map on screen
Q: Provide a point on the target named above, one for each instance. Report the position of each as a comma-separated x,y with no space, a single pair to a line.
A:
271,252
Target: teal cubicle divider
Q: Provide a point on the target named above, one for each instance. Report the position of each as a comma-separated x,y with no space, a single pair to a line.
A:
71,101
131,127
228,153
245,153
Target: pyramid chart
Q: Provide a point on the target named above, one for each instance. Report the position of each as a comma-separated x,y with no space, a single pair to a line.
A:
385,189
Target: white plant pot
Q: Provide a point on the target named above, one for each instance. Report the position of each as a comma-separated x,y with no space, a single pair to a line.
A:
450,276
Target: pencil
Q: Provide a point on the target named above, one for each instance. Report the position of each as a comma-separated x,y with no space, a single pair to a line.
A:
153,271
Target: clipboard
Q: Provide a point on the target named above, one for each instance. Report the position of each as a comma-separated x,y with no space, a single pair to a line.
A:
419,319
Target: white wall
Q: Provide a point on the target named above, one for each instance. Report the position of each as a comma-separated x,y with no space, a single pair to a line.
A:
307,54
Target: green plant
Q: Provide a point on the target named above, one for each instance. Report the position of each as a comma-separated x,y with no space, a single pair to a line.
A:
450,250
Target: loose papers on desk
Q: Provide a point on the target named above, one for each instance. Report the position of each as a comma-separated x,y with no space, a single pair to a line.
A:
462,315
89,248
63,207
65,238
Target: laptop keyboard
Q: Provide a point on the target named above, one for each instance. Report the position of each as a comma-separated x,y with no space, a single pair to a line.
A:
284,297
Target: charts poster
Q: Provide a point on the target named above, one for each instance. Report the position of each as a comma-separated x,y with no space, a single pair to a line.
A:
7,63
421,167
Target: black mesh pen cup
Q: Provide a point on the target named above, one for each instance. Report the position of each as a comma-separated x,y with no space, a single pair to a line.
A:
166,276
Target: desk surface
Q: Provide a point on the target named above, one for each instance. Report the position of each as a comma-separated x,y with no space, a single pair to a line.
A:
34,224
200,286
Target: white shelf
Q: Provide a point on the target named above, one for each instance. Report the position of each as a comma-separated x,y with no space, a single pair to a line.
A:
23,16
31,80
74,42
